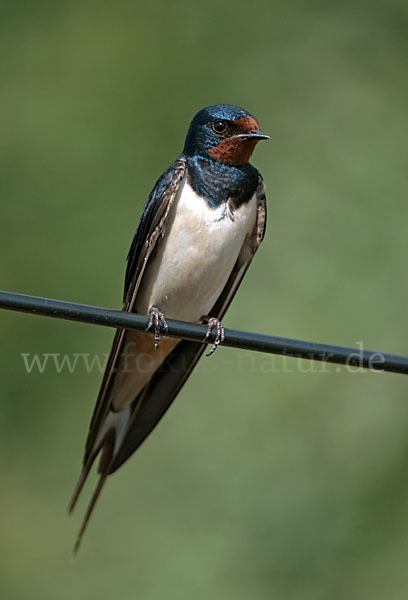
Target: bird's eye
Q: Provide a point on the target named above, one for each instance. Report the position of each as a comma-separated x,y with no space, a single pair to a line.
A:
219,126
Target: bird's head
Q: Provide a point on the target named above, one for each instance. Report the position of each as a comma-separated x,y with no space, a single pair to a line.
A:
224,132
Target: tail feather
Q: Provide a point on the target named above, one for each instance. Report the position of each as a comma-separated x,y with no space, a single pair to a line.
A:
107,443
122,432
80,484
107,447
89,510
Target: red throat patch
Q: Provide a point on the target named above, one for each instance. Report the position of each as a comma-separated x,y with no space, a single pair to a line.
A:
237,151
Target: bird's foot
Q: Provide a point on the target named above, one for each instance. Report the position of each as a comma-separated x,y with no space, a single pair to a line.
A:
214,323
158,322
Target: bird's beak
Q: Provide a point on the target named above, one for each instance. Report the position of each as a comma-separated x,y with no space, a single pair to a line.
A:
252,135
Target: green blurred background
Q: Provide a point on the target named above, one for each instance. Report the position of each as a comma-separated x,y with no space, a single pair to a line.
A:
268,478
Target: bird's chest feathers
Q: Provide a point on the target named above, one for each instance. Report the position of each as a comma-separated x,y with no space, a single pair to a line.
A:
205,231
197,253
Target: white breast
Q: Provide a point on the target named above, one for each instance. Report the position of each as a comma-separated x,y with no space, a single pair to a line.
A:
195,257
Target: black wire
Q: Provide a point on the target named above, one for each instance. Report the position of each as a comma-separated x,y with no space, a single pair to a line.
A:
341,355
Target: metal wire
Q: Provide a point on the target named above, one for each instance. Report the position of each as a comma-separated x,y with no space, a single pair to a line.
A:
245,340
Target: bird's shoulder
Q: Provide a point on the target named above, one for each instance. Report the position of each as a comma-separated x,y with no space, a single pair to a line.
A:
154,212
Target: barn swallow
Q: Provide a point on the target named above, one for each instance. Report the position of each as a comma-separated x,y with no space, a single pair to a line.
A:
198,232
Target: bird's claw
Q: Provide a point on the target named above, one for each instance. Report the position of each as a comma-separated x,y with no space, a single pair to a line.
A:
214,323
157,320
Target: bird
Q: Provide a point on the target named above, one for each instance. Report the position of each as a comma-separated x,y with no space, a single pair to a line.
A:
198,232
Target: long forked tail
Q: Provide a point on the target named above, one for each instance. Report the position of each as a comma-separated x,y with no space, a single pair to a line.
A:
89,511
122,433
84,474
108,441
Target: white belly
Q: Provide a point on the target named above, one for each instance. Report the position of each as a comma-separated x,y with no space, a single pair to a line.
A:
194,259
